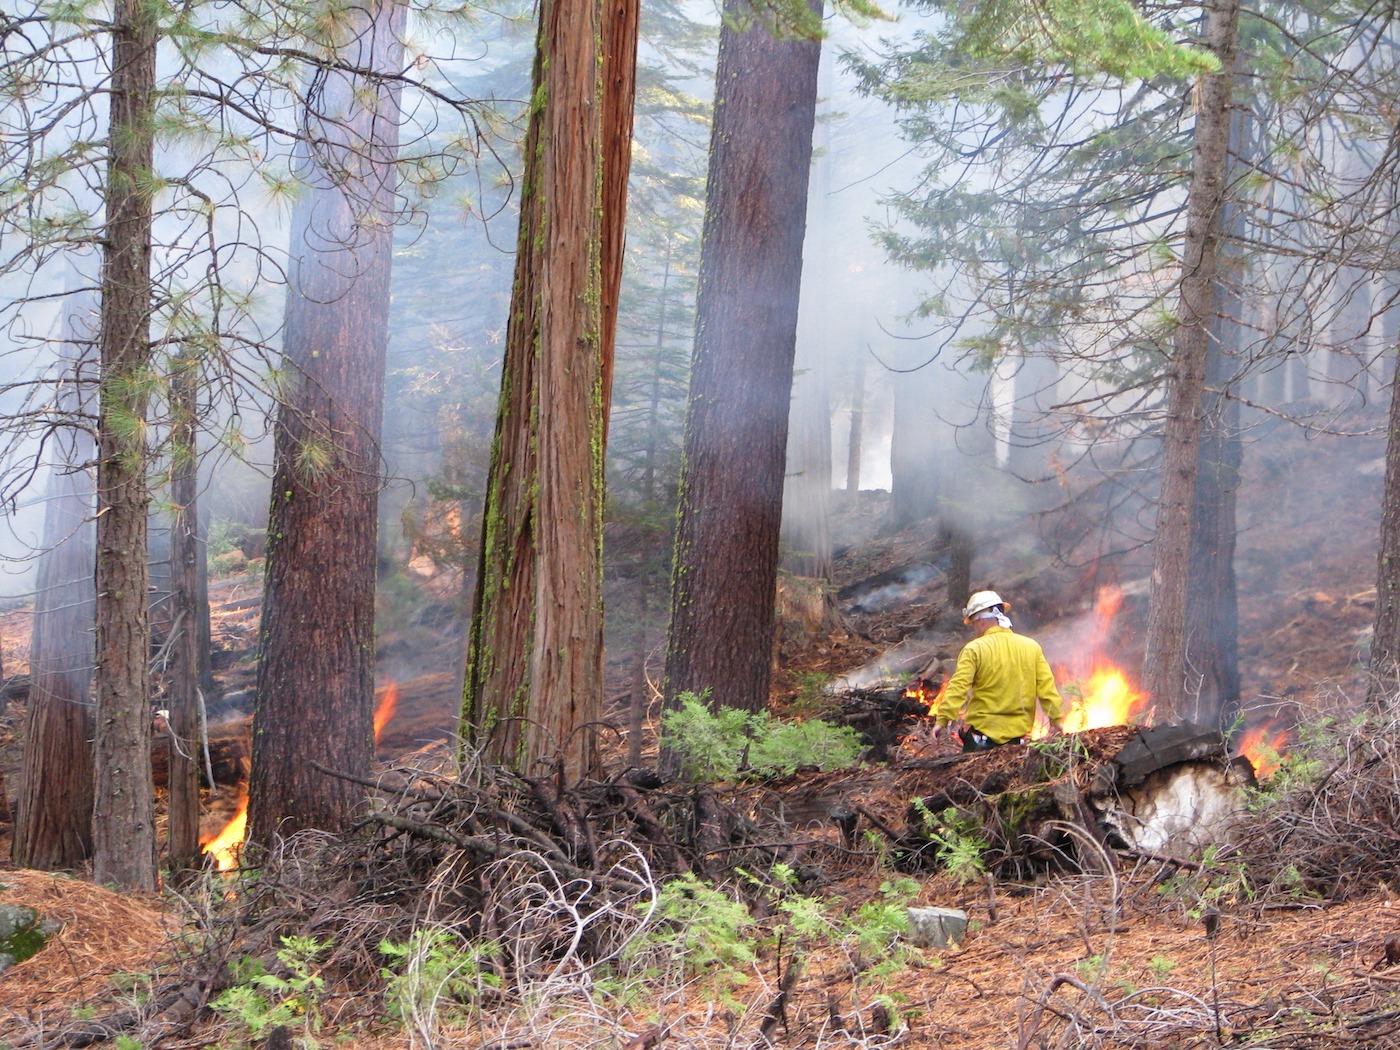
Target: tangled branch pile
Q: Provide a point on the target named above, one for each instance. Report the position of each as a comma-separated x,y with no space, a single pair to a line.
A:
1326,822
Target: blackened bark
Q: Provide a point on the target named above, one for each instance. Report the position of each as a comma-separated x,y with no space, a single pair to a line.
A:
315,689
1212,631
124,833
1164,662
725,572
962,548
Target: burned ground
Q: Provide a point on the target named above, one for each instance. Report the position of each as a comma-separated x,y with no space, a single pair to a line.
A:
1121,958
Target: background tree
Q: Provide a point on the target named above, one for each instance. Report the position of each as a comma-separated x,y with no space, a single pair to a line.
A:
53,808
1385,640
189,677
725,569
1212,637
1163,672
315,691
655,331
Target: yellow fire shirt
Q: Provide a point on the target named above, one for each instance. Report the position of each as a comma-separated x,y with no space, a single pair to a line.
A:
999,676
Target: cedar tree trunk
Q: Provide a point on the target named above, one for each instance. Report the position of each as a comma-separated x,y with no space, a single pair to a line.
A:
534,683
53,810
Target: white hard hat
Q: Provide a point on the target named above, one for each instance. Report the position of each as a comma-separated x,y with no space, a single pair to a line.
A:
981,602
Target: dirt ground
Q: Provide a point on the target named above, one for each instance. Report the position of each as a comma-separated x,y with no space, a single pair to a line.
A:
1104,961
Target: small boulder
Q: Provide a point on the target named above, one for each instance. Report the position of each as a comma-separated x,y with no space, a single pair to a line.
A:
937,927
22,933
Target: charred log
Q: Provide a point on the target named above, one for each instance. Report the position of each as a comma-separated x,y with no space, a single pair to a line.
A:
882,717
230,750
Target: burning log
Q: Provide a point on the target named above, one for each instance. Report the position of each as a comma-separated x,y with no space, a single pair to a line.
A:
883,717
1161,790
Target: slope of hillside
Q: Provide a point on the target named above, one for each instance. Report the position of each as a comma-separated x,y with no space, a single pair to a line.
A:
1117,960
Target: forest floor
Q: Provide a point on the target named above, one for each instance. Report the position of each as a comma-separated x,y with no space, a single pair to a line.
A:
1114,960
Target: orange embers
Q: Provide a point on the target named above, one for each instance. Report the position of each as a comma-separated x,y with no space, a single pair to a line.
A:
1263,746
228,843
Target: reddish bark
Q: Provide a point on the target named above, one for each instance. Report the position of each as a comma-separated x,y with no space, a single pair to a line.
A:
533,689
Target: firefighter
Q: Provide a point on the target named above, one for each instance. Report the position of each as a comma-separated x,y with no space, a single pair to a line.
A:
998,680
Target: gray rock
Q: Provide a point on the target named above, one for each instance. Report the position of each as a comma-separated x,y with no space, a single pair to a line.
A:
937,927
22,934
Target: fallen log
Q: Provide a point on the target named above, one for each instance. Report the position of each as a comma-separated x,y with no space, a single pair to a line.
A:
230,752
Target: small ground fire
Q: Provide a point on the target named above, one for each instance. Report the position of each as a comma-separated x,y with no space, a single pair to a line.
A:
225,847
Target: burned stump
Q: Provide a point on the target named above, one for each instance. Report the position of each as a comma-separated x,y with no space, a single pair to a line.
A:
1063,804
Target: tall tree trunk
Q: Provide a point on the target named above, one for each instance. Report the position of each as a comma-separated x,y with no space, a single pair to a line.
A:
806,530
189,673
725,572
315,687
1384,692
1212,638
534,683
1212,634
1164,662
621,21
124,833
53,810
962,548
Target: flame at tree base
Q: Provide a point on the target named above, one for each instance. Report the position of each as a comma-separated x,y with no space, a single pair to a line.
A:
1263,746
225,847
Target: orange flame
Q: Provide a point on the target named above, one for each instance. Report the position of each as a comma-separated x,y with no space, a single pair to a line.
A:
1106,695
1107,699
226,846
1263,745
388,703
928,699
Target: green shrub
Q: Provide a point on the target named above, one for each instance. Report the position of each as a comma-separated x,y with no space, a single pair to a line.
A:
263,1001
960,842
711,745
719,745
434,975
